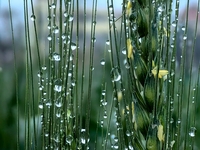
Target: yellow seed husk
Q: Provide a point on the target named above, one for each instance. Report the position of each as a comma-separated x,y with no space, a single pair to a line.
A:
129,8
160,133
161,73
130,48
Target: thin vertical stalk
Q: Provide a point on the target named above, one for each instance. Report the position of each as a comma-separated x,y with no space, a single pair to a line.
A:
16,74
190,78
168,112
29,75
183,72
83,64
172,71
93,40
77,69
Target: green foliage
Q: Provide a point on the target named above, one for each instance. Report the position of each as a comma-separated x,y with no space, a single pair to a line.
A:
70,92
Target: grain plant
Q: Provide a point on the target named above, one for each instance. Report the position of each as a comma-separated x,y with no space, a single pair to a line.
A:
119,75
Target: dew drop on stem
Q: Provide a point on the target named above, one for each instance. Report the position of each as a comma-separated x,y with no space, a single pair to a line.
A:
58,85
58,102
53,5
115,74
184,37
107,42
124,51
70,18
33,17
73,46
126,64
69,139
54,56
40,105
192,132
65,14
49,37
102,62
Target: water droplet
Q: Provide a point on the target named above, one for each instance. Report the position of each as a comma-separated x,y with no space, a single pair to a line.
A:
69,139
130,146
126,64
46,134
40,105
49,38
39,74
70,73
115,74
65,14
116,146
184,37
94,23
64,36
73,46
172,143
192,132
58,114
58,102
71,57
48,103
94,40
107,42
56,138
55,56
128,133
111,8
160,9
124,51
44,68
104,103
53,5
55,29
105,116
174,24
103,92
33,17
116,139
171,120
173,59
58,85
101,123
102,62
70,18
73,82
183,28
49,18
41,87
83,137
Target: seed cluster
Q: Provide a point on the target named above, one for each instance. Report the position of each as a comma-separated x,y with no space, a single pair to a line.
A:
144,34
